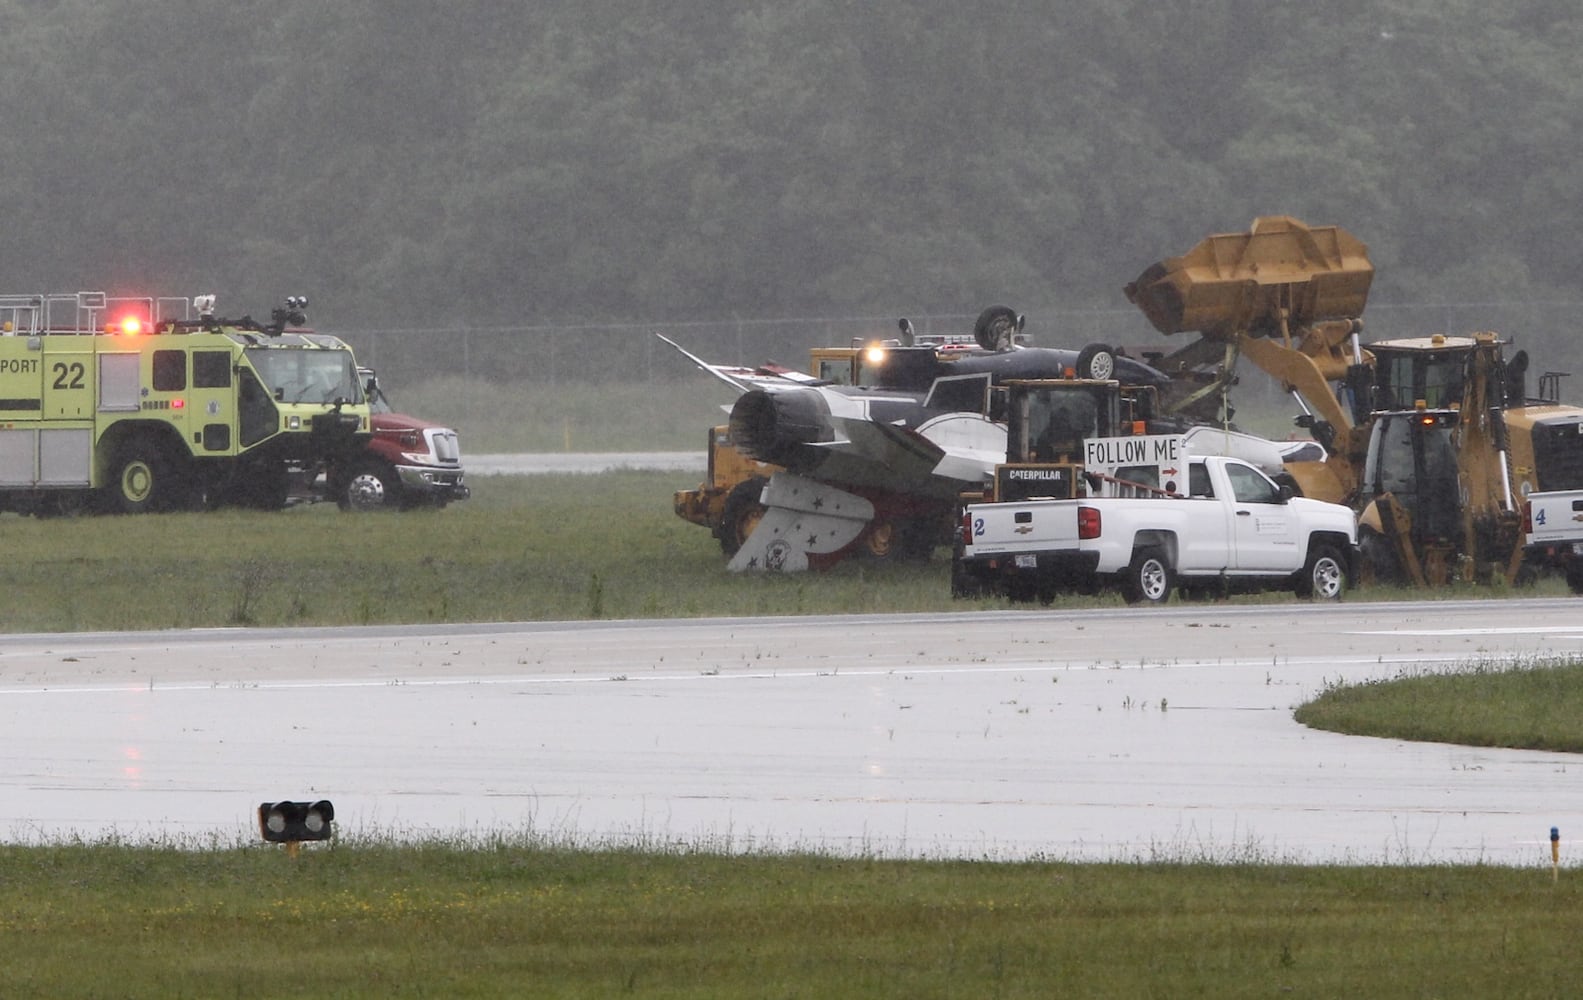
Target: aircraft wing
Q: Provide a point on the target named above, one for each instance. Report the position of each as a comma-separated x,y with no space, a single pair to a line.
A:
936,458
769,377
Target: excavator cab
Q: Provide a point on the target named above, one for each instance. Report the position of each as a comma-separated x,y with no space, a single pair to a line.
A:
1413,458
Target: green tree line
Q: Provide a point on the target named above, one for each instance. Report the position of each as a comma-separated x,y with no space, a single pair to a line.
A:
488,162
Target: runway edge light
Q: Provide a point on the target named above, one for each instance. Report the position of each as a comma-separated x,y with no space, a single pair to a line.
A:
290,823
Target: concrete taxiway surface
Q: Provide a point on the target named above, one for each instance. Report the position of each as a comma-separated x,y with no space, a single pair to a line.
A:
1103,734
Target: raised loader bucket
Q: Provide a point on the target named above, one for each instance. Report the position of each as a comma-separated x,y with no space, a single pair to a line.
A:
1234,282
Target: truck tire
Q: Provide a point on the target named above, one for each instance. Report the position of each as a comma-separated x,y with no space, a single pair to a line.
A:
1096,361
1324,576
370,486
1149,578
740,515
141,478
901,540
1575,576
967,584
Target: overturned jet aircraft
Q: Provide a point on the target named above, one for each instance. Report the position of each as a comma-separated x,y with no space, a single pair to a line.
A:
891,454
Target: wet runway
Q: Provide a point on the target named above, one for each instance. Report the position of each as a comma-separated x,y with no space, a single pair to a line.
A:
1109,734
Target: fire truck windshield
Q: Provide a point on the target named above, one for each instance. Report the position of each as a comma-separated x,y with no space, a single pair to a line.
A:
301,376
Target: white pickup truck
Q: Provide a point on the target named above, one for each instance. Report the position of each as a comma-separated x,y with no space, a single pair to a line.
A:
1228,525
1554,524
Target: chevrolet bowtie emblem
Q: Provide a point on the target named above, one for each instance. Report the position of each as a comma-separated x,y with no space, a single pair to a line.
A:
1023,529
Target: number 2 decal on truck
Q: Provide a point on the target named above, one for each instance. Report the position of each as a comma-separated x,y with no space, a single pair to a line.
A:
67,376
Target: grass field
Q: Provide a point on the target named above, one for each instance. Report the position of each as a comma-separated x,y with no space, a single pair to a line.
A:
1535,705
523,548
515,920
510,916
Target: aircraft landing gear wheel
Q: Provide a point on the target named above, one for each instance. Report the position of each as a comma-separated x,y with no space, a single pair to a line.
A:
1149,578
741,514
1096,361
996,328
1324,576
369,487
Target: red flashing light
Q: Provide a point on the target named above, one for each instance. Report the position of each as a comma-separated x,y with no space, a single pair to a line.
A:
131,326
178,404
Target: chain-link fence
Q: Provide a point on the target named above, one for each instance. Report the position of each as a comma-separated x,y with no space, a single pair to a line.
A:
628,352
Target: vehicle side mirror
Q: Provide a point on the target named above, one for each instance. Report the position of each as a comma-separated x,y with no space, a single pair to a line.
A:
1286,493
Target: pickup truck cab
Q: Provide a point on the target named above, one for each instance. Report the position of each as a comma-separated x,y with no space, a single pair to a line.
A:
1227,526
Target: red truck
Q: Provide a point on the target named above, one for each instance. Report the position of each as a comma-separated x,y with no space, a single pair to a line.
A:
407,463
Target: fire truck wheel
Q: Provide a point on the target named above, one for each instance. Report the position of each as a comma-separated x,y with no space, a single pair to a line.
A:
370,486
741,514
1096,361
1149,578
141,479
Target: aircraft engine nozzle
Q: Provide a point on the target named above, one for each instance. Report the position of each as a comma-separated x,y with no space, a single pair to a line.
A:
772,426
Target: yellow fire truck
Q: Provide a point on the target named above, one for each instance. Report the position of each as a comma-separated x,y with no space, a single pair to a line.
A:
143,404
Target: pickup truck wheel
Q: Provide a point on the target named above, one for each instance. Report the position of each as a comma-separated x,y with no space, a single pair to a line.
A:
1149,579
740,515
1096,361
370,486
1324,576
1575,577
